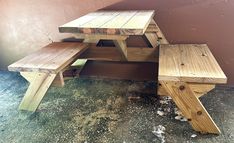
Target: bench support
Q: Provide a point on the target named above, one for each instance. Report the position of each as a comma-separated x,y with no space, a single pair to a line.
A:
197,88
39,84
191,107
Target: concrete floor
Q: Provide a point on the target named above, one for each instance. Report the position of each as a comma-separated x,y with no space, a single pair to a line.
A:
104,111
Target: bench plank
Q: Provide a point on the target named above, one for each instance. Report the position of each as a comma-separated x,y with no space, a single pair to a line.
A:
189,63
50,59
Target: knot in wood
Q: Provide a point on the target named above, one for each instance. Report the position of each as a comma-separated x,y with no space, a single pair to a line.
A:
199,112
182,87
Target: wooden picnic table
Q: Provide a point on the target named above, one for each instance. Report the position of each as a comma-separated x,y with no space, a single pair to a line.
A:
186,71
117,26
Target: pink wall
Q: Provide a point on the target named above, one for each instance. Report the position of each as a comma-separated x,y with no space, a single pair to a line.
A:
27,25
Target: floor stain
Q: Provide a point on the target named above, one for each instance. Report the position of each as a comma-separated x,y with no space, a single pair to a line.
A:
105,111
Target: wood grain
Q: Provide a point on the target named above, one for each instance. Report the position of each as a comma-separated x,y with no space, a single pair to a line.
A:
50,59
189,63
190,106
135,54
110,23
39,84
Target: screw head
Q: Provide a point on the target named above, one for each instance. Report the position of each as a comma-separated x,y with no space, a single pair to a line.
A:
199,112
181,87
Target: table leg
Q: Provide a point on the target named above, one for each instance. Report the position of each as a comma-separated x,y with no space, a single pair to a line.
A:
191,107
152,38
122,47
39,84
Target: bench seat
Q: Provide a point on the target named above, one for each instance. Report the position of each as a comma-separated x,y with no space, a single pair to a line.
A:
44,68
186,72
50,59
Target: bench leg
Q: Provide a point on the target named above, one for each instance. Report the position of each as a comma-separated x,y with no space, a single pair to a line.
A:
39,84
190,106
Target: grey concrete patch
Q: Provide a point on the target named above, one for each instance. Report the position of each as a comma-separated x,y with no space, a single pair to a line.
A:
104,111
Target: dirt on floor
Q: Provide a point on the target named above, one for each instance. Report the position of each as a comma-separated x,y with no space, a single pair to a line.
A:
106,111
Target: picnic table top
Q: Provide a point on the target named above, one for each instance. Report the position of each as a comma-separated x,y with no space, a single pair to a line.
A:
110,22
189,63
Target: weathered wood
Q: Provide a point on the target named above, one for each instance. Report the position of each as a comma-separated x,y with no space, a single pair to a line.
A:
153,39
161,38
111,23
135,54
138,24
91,41
189,63
39,84
122,47
59,80
50,59
190,106
100,37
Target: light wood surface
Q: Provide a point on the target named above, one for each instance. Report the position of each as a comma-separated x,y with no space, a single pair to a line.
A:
39,84
189,63
50,59
198,88
110,23
190,106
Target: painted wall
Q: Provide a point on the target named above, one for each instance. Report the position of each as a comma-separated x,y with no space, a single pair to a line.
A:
27,25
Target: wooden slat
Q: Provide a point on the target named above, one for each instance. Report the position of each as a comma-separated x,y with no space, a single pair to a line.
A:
101,36
138,23
51,59
113,26
189,63
72,27
135,54
94,25
139,71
